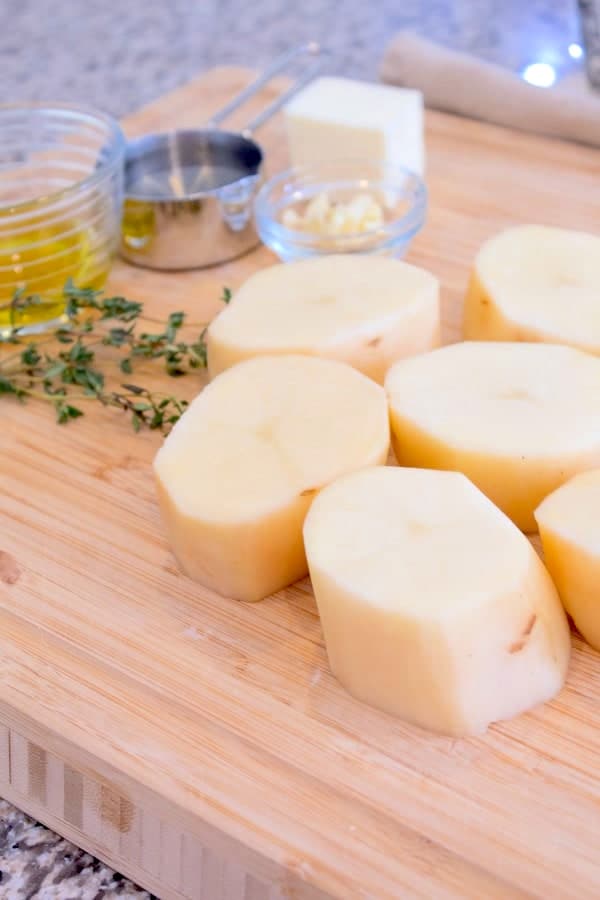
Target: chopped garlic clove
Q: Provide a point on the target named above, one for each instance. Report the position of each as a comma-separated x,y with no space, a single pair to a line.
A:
362,213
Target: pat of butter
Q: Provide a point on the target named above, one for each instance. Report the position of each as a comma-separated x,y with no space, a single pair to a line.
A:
337,117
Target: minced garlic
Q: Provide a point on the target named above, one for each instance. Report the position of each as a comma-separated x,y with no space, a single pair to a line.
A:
322,216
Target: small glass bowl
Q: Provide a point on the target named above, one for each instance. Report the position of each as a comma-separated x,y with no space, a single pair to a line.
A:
401,194
61,184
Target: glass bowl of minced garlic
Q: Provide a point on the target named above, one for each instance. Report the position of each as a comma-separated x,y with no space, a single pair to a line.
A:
344,206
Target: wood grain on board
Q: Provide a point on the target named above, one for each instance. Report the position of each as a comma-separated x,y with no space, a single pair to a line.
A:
202,746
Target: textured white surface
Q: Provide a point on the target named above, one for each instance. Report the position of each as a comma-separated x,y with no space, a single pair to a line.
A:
120,55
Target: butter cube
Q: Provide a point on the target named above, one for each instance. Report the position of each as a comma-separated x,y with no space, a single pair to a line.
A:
335,118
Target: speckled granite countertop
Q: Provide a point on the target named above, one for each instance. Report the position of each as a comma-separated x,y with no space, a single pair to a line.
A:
36,863
118,56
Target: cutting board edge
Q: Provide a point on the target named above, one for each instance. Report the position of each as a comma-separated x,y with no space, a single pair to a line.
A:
90,820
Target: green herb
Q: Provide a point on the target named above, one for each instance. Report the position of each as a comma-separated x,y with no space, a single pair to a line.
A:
63,369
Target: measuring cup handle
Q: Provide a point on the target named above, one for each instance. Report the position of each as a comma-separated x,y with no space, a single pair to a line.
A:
276,105
312,49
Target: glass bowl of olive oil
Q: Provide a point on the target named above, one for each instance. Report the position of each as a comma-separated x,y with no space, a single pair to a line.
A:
61,191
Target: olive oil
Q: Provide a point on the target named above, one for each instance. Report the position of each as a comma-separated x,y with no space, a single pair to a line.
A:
38,259
139,224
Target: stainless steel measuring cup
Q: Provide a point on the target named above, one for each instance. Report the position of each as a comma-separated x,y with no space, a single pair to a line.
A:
189,193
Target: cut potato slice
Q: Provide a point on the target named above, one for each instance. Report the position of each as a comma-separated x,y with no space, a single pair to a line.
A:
434,606
517,419
239,470
533,283
569,522
367,311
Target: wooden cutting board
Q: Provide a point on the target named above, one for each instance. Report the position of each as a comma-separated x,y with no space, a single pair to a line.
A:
202,746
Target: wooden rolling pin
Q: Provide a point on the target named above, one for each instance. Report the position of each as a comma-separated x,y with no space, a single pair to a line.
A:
462,84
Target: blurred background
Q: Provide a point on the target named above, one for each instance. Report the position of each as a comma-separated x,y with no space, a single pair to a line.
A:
119,55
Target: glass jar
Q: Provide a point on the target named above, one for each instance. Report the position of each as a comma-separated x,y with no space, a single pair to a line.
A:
61,187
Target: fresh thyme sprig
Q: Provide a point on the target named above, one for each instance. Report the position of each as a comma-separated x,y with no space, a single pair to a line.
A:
62,368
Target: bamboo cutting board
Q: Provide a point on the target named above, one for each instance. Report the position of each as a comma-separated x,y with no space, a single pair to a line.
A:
202,746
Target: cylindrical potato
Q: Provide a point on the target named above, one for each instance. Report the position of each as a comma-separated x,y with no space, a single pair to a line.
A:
569,523
240,469
517,419
534,283
434,606
368,311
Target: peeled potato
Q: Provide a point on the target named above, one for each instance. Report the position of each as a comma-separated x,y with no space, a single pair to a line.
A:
238,472
569,522
533,283
434,606
367,311
517,419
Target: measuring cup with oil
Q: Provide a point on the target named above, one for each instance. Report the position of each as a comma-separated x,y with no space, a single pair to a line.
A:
189,193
